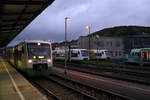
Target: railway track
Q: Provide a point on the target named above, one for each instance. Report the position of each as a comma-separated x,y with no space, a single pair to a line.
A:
134,67
56,90
50,95
62,88
118,73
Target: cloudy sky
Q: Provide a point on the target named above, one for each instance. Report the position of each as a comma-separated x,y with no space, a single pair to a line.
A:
99,14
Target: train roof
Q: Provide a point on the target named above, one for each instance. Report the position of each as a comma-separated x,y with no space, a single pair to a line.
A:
139,49
62,51
68,49
35,41
78,49
98,50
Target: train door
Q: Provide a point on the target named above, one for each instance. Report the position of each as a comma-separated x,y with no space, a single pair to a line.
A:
148,55
144,55
74,55
16,56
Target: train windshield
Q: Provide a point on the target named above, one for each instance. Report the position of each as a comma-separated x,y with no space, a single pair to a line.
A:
108,53
84,52
40,50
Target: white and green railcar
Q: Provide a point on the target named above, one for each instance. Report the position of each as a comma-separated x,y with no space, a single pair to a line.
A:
71,55
139,56
33,57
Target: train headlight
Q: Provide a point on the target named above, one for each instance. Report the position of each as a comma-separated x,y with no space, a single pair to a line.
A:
49,60
29,61
34,57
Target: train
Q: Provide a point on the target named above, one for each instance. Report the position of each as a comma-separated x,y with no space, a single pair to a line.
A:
96,54
71,55
139,56
33,57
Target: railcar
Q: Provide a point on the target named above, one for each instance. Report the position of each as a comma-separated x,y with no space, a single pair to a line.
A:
139,56
32,57
71,55
58,54
100,54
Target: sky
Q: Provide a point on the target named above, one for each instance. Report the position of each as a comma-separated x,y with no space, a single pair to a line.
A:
98,14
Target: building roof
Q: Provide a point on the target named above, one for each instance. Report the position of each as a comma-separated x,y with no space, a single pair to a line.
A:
15,15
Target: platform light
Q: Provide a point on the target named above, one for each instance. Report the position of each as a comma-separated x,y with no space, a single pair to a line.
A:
89,32
29,61
39,43
49,60
87,27
34,57
66,20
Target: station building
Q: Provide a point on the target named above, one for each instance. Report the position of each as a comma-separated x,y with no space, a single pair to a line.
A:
114,44
136,41
120,46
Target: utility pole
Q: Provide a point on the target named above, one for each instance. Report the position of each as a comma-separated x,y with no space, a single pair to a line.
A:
66,19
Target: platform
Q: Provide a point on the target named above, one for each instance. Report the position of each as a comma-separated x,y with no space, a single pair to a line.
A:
13,86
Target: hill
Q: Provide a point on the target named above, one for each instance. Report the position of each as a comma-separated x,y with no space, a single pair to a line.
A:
124,31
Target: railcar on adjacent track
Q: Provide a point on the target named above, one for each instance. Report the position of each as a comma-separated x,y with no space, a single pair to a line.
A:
100,54
139,56
71,55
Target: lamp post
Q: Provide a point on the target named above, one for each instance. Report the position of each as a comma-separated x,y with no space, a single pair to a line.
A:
89,31
66,19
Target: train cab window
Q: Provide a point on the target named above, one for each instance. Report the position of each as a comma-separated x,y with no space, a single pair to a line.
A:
41,49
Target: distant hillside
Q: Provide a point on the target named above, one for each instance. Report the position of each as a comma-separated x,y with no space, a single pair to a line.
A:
124,31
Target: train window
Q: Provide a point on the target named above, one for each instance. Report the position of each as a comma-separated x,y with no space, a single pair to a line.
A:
74,55
61,55
39,50
99,54
132,54
78,52
84,52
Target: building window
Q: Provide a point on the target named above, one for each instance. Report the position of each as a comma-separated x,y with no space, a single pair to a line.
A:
116,53
111,44
117,43
107,43
101,43
120,53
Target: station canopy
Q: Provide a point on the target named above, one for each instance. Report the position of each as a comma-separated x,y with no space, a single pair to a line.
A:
15,15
